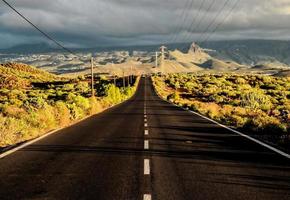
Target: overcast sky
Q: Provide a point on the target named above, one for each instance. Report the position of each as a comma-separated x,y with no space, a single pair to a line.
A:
84,23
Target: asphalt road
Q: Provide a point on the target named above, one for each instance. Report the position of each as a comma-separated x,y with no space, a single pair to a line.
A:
145,148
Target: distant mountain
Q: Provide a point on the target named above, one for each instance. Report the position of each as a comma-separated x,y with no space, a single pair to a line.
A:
45,48
29,48
200,59
246,52
251,52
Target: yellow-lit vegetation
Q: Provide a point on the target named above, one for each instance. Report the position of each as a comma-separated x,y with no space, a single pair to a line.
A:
33,101
259,105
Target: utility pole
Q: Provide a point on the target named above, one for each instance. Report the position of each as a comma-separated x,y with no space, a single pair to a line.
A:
114,75
124,81
156,59
115,81
131,76
92,76
162,48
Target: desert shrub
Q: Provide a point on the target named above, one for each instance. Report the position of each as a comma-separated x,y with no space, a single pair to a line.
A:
11,81
238,121
13,111
16,102
95,106
244,87
76,112
199,107
216,98
113,94
257,103
260,121
266,79
241,111
240,81
42,119
213,111
59,93
35,102
68,87
190,86
12,130
227,110
275,113
78,105
173,97
81,102
62,113
256,99
128,92
82,87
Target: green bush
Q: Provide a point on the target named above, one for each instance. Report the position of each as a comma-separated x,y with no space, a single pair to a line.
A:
113,94
256,99
173,97
62,113
257,103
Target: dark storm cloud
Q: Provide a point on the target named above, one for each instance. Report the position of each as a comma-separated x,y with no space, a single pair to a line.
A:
128,22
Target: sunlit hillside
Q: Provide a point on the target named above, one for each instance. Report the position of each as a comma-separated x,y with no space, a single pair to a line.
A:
33,101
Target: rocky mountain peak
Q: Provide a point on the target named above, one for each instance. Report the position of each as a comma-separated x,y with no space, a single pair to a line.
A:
194,48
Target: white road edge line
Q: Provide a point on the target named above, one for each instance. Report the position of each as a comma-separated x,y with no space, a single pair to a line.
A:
147,197
145,120
13,150
146,144
25,144
146,167
146,125
146,132
234,131
244,135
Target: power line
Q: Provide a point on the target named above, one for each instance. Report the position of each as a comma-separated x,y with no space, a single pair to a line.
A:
201,19
195,18
216,17
38,29
184,17
221,22
174,36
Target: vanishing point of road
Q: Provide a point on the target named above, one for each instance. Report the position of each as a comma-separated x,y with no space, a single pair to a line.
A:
145,148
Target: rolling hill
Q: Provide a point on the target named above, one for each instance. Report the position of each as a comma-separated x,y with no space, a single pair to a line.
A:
17,75
251,52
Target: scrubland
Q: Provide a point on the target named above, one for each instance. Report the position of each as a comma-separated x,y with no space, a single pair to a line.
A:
258,105
33,102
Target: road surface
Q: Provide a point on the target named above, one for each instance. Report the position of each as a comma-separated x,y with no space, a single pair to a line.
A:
145,148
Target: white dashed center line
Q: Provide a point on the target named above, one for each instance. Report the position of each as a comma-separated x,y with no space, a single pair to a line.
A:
146,144
147,197
146,167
